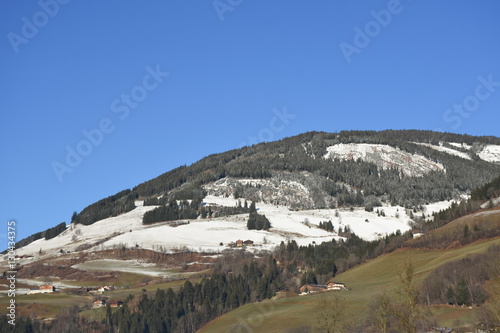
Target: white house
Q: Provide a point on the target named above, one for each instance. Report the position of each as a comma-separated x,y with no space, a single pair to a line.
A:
335,286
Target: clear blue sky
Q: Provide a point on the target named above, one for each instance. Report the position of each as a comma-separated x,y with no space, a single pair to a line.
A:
232,67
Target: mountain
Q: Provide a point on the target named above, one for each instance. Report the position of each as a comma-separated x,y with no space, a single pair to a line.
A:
304,209
411,173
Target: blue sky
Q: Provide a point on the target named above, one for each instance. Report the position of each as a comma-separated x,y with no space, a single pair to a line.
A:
138,88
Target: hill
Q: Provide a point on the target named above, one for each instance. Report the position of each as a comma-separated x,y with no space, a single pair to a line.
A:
317,170
364,282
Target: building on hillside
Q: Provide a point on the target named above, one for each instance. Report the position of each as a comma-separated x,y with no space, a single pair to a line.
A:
99,303
241,243
103,289
115,304
335,286
312,288
34,291
45,289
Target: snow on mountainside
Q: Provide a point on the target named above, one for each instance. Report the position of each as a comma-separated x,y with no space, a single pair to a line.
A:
385,157
446,150
490,153
207,234
277,190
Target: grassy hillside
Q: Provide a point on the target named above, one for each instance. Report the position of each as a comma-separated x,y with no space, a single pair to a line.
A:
364,281
49,305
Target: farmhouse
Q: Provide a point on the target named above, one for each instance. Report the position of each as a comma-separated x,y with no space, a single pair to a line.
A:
45,289
99,303
241,243
103,289
312,288
335,286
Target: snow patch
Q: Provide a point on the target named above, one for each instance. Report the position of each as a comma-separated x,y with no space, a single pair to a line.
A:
460,145
446,150
385,157
490,153
207,234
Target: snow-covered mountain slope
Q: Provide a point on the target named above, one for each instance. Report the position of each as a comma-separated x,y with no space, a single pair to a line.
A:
285,189
207,234
385,157
490,153
446,150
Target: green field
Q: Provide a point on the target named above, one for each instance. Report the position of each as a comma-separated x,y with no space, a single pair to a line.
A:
363,281
48,305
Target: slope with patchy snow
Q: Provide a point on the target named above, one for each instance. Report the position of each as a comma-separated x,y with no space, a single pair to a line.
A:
207,234
385,157
446,150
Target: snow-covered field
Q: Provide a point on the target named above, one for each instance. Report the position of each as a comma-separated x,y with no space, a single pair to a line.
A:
385,157
207,234
78,235
130,266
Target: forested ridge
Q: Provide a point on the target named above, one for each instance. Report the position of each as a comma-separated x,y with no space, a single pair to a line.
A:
301,153
289,158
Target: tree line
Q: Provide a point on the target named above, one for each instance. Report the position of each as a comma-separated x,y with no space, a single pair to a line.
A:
47,234
114,205
462,282
194,209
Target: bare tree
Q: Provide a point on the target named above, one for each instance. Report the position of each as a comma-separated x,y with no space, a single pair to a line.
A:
330,312
379,316
405,310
